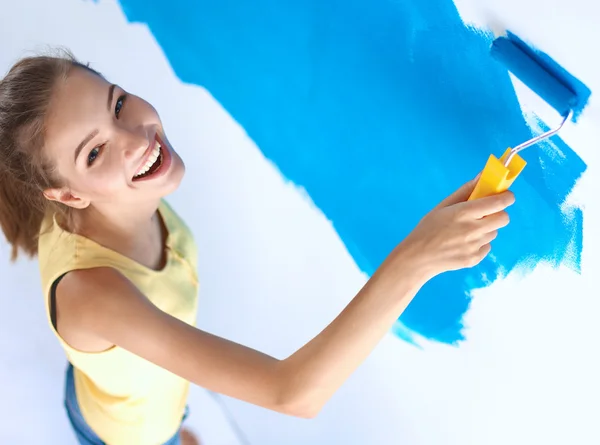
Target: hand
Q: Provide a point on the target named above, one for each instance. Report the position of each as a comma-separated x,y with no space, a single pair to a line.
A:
457,233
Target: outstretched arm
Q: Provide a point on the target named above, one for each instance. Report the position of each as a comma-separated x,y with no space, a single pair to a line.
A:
454,235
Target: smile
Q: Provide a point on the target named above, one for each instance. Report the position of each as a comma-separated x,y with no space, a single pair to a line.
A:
156,163
152,164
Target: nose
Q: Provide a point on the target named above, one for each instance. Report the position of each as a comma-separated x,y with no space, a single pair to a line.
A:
134,141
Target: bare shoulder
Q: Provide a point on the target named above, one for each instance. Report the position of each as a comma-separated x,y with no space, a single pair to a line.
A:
101,308
95,282
85,298
86,289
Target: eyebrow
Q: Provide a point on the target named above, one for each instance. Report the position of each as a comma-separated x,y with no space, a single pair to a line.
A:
111,92
89,137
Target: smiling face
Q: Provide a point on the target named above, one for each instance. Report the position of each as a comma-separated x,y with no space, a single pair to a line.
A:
108,146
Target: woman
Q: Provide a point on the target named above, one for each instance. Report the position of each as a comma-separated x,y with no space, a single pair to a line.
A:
84,168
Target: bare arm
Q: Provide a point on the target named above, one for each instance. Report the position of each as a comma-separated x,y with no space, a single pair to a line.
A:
116,312
319,368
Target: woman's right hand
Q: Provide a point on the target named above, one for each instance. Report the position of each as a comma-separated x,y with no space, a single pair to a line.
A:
457,233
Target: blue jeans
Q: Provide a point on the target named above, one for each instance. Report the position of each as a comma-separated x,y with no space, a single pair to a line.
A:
85,435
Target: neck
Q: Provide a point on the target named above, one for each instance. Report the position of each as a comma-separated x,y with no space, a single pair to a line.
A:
124,225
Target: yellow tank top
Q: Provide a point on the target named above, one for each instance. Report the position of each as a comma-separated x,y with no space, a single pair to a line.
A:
125,399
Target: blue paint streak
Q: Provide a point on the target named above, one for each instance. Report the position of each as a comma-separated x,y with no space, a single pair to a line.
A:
549,80
379,109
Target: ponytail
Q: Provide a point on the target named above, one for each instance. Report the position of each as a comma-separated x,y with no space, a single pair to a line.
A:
25,95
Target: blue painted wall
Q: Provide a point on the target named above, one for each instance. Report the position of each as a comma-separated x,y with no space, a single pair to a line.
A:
379,110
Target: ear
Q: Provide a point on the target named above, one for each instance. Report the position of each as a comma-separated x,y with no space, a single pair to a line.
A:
66,197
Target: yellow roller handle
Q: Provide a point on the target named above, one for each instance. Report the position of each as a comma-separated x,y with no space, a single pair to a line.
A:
495,177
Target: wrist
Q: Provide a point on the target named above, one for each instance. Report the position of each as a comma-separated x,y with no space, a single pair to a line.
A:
417,263
400,274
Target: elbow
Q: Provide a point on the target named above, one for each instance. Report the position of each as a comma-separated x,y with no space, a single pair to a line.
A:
301,409
307,414
301,398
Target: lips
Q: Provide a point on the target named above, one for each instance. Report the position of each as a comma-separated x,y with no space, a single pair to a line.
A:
152,160
156,161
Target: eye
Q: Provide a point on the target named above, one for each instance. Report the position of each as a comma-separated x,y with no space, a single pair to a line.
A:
119,105
93,155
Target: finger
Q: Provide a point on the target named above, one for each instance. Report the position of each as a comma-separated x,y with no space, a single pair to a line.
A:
460,195
482,207
494,222
483,252
488,237
477,256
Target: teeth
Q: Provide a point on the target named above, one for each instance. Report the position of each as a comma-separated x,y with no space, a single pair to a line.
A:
151,160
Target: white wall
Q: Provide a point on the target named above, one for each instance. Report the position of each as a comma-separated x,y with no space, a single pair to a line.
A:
270,290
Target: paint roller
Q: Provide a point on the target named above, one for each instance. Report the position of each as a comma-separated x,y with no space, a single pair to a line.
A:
547,79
